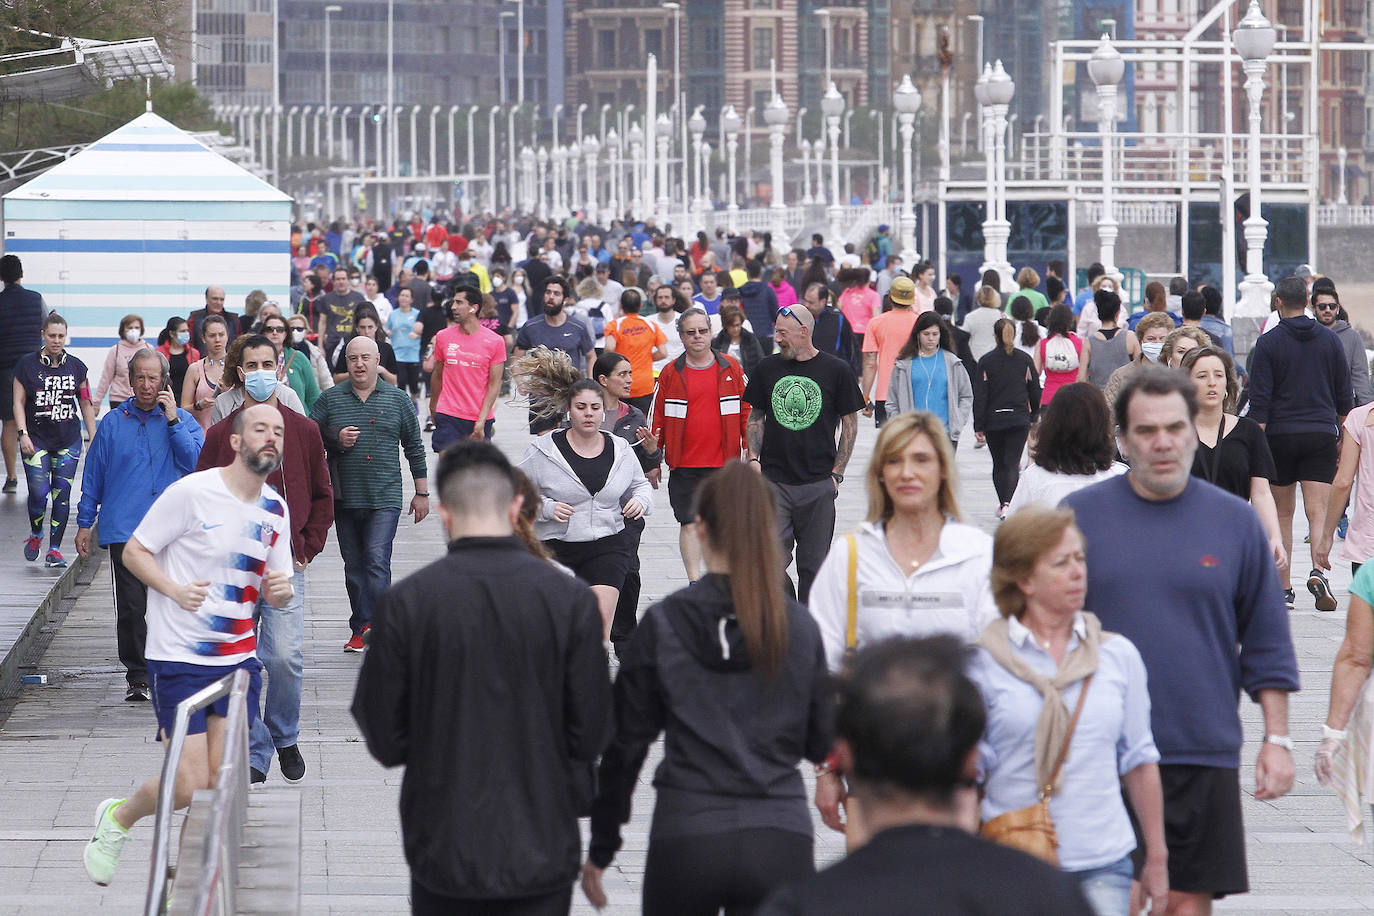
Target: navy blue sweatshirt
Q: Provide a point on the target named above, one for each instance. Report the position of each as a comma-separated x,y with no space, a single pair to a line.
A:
1300,379
1187,580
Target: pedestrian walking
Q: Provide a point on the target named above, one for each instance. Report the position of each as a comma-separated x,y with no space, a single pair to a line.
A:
1112,345
175,343
1071,448
468,363
1062,355
1036,668
140,448
887,334
1218,633
365,421
1009,406
733,673
193,550
1151,332
450,697
52,395
303,481
801,398
295,369
641,342
929,376
114,375
21,332
203,378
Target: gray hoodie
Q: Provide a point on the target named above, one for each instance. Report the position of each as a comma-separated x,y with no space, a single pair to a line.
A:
594,516
1359,362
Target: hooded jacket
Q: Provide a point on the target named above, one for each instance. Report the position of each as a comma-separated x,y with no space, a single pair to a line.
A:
760,306
732,739
595,515
1299,379
1359,361
958,391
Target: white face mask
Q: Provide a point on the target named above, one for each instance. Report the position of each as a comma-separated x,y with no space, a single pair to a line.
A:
298,335
1153,350
132,334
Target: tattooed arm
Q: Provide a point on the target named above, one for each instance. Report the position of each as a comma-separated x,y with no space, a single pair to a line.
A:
753,433
849,431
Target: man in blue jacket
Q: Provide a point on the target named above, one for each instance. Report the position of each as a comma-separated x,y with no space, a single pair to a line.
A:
1209,621
141,447
760,305
21,332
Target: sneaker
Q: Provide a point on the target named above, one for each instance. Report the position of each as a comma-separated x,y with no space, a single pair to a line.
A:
1002,511
429,426
54,559
1290,598
11,485
291,763
256,776
1321,590
137,693
354,644
102,852
366,634
32,545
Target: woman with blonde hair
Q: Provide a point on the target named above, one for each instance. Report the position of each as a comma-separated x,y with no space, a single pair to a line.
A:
1180,341
1068,709
1026,282
731,671
911,569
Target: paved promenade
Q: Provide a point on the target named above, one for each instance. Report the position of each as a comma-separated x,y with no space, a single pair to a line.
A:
70,744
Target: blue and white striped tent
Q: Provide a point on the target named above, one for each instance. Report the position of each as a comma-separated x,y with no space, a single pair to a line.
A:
142,221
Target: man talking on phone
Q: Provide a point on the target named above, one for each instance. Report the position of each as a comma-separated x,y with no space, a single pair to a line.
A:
141,447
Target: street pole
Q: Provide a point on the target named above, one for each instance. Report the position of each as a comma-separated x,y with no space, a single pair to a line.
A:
1000,91
906,100
1106,69
491,156
472,142
1254,39
730,124
832,106
1341,155
775,115
392,123
663,132
329,11
502,19
980,94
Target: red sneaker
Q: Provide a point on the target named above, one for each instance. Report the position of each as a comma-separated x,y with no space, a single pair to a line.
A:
354,644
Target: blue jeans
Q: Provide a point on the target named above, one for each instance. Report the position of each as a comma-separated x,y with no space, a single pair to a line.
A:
1108,889
365,538
281,634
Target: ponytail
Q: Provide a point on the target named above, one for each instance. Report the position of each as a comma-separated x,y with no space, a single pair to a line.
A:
736,508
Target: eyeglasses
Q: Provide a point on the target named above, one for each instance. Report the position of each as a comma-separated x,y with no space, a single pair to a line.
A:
274,329
694,332
1326,307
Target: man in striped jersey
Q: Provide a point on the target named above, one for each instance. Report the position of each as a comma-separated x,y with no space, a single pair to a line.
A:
210,545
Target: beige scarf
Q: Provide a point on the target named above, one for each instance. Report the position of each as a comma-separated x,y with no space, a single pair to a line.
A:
1053,723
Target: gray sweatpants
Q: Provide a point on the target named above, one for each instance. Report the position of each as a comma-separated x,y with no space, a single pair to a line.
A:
806,520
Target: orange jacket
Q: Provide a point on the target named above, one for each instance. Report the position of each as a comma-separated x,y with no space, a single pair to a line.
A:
669,420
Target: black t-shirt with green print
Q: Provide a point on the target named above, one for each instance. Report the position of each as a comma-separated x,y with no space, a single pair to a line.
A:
804,401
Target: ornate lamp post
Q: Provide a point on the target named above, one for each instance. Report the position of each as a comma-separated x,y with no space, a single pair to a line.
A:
1254,38
590,147
1106,69
636,136
906,101
697,125
570,176
1000,90
807,197
980,95
1341,155
832,106
663,131
775,116
541,189
730,124
527,159
613,154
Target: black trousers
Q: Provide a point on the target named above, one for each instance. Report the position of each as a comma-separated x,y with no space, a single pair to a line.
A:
701,875
131,617
1005,445
428,903
627,608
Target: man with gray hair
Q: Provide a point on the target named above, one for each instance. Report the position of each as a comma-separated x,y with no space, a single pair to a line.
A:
1300,393
140,448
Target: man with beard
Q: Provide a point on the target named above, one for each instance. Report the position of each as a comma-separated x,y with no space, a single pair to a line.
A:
207,548
669,303
555,331
800,396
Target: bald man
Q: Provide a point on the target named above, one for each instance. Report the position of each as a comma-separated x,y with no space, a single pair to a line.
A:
365,422
214,305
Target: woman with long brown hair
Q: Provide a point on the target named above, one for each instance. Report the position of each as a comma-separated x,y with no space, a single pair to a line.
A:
733,671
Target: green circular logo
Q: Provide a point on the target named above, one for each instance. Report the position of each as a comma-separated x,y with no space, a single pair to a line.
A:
796,402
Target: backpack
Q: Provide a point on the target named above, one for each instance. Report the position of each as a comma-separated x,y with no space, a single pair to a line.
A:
871,252
598,316
1060,354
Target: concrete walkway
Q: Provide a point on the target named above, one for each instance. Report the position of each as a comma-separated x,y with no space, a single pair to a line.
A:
75,742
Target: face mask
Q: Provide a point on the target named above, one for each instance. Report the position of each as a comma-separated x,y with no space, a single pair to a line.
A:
498,281
298,335
183,338
260,383
1152,350
1107,288
132,335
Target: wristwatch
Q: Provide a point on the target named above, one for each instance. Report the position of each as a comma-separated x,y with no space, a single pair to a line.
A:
839,478
23,433
1283,741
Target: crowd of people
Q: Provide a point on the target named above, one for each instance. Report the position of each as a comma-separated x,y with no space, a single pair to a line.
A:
960,694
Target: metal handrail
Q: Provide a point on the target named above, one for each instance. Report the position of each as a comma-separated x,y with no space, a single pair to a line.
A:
235,686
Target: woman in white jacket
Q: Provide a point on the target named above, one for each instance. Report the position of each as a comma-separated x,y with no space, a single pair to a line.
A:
916,569
591,482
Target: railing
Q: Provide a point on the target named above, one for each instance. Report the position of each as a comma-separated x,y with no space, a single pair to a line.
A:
1132,212
224,836
1345,215
1153,159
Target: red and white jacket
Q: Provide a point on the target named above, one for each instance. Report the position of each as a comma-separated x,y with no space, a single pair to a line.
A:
669,420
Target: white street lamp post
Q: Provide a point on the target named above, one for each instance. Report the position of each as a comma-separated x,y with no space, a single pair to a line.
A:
511,200
613,146
433,140
704,171
1340,164
980,94
775,116
542,161
748,152
663,130
697,125
729,124
491,155
590,147
1254,39
832,105
557,156
527,160
472,139
636,163
906,101
807,196
1106,69
329,11
573,192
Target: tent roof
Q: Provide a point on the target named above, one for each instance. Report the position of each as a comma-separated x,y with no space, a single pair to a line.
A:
148,159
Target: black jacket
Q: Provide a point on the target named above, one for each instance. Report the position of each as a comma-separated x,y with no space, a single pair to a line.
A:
1300,379
731,737
834,334
21,325
1011,391
485,676
750,350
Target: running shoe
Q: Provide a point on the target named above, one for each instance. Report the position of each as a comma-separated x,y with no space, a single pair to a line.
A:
137,693
366,634
1321,590
11,485
1290,598
429,426
291,763
102,852
54,559
354,644
256,776
32,545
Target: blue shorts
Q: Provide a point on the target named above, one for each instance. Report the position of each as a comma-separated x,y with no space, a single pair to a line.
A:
172,682
448,430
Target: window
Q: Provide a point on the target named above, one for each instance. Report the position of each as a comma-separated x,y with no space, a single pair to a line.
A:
605,49
653,42
762,49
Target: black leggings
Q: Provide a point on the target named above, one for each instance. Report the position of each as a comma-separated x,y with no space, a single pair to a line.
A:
1005,446
701,875
424,902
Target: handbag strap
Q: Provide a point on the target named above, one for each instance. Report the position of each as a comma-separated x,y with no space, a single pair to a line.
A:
1068,739
851,631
